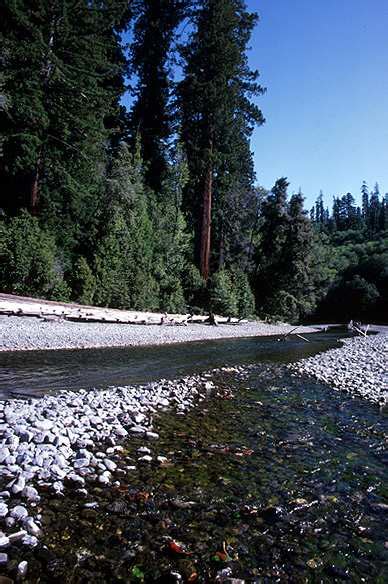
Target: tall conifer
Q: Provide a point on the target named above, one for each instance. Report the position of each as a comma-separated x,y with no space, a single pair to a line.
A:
217,119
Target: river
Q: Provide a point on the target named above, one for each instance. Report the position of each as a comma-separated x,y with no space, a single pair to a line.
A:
276,479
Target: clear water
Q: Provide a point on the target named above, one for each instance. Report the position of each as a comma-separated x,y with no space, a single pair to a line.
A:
286,476
37,372
275,479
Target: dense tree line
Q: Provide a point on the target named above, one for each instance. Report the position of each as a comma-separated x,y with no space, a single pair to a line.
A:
155,206
357,237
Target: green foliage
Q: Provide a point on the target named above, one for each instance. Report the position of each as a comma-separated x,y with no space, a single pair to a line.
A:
217,119
151,113
283,306
193,287
244,296
83,282
27,257
222,294
355,298
60,291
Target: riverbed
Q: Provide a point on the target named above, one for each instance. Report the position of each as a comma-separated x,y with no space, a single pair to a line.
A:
270,478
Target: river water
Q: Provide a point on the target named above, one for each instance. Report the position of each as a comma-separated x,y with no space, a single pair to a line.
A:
37,372
275,479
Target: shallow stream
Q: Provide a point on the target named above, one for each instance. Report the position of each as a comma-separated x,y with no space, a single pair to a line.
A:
271,479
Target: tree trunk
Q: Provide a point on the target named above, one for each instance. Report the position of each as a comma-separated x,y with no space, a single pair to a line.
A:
34,195
206,219
47,68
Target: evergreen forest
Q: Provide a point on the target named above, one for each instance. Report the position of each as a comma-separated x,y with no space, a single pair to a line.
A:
155,205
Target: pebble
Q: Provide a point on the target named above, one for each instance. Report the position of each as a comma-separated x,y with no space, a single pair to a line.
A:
23,568
358,367
3,558
17,536
71,438
145,458
19,512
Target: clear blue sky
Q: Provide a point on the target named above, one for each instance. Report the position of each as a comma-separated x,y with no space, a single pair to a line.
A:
325,66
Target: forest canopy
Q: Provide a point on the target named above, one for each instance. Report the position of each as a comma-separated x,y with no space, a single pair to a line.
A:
156,206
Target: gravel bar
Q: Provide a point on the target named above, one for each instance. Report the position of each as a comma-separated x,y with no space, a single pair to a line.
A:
27,333
73,440
359,367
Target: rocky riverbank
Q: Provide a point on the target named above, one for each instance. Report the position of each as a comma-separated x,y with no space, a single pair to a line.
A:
26,333
359,367
75,440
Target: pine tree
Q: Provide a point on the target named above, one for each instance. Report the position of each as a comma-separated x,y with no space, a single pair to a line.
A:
270,251
156,23
65,73
217,120
365,200
374,210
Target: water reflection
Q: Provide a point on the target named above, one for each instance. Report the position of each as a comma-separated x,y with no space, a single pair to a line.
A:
37,372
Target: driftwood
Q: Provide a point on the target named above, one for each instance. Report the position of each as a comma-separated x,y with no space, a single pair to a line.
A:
292,331
56,312
353,327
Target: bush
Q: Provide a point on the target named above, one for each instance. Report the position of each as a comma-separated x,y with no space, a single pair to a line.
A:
194,288
83,282
285,307
244,295
222,294
27,257
351,299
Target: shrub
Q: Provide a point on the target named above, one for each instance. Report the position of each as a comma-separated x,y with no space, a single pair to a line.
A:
27,257
222,294
244,295
83,282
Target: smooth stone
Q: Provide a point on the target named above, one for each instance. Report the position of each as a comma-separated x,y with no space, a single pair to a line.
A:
4,453
17,536
3,510
44,424
152,436
146,458
19,485
81,463
31,494
30,540
76,479
19,512
3,558
110,465
4,541
22,568
32,527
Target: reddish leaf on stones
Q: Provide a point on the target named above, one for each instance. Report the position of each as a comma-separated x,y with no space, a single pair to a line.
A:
176,548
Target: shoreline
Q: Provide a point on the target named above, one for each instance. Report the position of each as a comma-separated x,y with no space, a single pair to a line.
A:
359,367
18,333
75,440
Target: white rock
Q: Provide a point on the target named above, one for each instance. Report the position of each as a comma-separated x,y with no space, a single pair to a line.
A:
23,568
18,485
44,424
145,458
3,510
19,513
30,540
17,536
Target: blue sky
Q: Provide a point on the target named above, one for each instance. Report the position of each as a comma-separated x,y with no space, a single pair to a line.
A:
325,66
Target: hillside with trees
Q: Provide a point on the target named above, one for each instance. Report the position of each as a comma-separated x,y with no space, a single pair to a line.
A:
156,206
